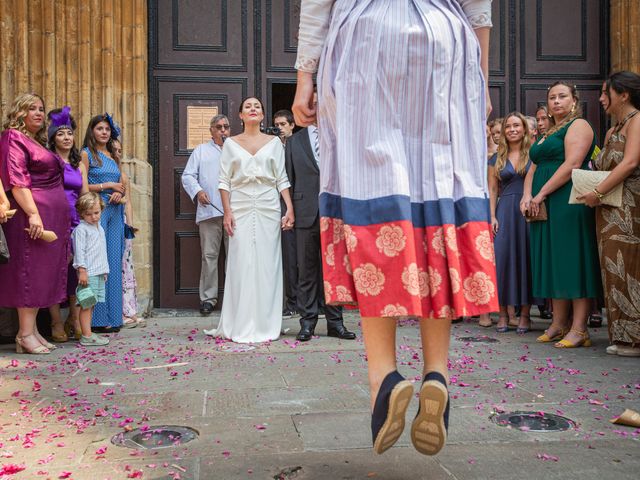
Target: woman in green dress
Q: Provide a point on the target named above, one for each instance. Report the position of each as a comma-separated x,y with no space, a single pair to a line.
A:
564,256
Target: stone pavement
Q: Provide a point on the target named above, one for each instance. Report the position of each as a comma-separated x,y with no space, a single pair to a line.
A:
300,411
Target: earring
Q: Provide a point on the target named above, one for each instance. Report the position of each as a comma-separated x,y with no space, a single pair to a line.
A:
573,108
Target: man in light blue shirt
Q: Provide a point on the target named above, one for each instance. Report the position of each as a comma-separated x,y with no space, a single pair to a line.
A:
200,182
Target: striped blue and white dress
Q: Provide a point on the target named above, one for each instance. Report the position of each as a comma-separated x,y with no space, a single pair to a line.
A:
401,115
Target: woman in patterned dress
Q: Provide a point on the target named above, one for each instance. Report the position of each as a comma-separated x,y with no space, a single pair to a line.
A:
105,179
403,204
618,228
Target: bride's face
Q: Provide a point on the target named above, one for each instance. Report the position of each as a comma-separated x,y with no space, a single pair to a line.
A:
251,111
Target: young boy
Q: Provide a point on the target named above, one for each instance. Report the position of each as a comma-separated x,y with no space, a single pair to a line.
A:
90,260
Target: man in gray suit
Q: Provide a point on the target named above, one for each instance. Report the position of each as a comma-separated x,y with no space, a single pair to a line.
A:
302,163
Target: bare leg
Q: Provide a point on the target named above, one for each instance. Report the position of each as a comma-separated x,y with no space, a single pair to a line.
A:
27,327
380,344
435,334
57,327
485,320
502,317
525,317
74,314
85,321
560,316
581,309
511,311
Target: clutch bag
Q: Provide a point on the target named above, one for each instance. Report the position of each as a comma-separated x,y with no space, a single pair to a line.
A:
584,181
540,217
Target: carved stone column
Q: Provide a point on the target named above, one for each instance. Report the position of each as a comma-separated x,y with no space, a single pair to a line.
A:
625,35
92,56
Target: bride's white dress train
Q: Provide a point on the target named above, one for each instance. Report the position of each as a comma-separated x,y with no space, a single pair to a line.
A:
252,305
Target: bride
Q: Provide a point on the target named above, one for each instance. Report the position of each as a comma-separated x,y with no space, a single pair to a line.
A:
252,176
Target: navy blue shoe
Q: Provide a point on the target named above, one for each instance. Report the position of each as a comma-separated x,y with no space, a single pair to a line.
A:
387,420
430,427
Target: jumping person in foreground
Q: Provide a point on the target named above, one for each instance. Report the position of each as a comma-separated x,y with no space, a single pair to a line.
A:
403,196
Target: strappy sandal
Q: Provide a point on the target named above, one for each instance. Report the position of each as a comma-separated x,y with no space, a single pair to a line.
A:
545,338
128,322
39,350
522,330
585,341
504,328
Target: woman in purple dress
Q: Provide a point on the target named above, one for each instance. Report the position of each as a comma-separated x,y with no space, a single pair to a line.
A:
36,275
61,140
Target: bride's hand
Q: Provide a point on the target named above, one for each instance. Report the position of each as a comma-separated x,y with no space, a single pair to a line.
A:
229,223
288,221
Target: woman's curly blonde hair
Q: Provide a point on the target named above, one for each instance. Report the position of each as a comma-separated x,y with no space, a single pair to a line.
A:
17,113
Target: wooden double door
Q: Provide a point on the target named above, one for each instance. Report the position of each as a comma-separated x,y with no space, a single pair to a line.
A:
207,55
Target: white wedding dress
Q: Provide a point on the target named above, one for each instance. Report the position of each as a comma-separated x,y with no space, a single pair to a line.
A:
252,305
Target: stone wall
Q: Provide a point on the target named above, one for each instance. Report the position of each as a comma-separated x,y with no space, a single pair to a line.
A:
92,56
625,35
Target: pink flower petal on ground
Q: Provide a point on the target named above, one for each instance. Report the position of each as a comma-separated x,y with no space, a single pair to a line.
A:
547,457
101,451
226,454
11,469
64,474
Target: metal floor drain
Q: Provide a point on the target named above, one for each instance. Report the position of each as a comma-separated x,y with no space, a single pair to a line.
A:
478,339
534,421
160,436
287,473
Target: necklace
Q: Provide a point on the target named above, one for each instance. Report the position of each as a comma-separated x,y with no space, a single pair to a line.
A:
628,116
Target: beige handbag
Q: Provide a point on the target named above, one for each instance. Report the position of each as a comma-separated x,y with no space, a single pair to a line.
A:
584,181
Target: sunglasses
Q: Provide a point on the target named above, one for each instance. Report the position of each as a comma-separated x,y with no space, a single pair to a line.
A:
222,127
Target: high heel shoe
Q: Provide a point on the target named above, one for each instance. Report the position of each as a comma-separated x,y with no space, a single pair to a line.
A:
21,348
430,427
585,341
47,345
545,338
387,419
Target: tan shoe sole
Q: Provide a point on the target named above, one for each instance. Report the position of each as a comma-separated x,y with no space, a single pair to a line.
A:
394,424
428,433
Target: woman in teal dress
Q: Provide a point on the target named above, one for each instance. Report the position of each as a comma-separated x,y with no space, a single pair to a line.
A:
564,255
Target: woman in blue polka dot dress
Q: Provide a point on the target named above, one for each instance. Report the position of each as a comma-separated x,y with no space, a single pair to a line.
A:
105,178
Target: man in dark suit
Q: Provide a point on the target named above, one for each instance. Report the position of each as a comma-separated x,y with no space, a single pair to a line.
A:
302,162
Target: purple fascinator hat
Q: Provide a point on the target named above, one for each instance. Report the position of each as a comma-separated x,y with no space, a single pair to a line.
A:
115,128
59,120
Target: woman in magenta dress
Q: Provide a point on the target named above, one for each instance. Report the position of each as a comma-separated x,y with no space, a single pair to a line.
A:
61,141
36,275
